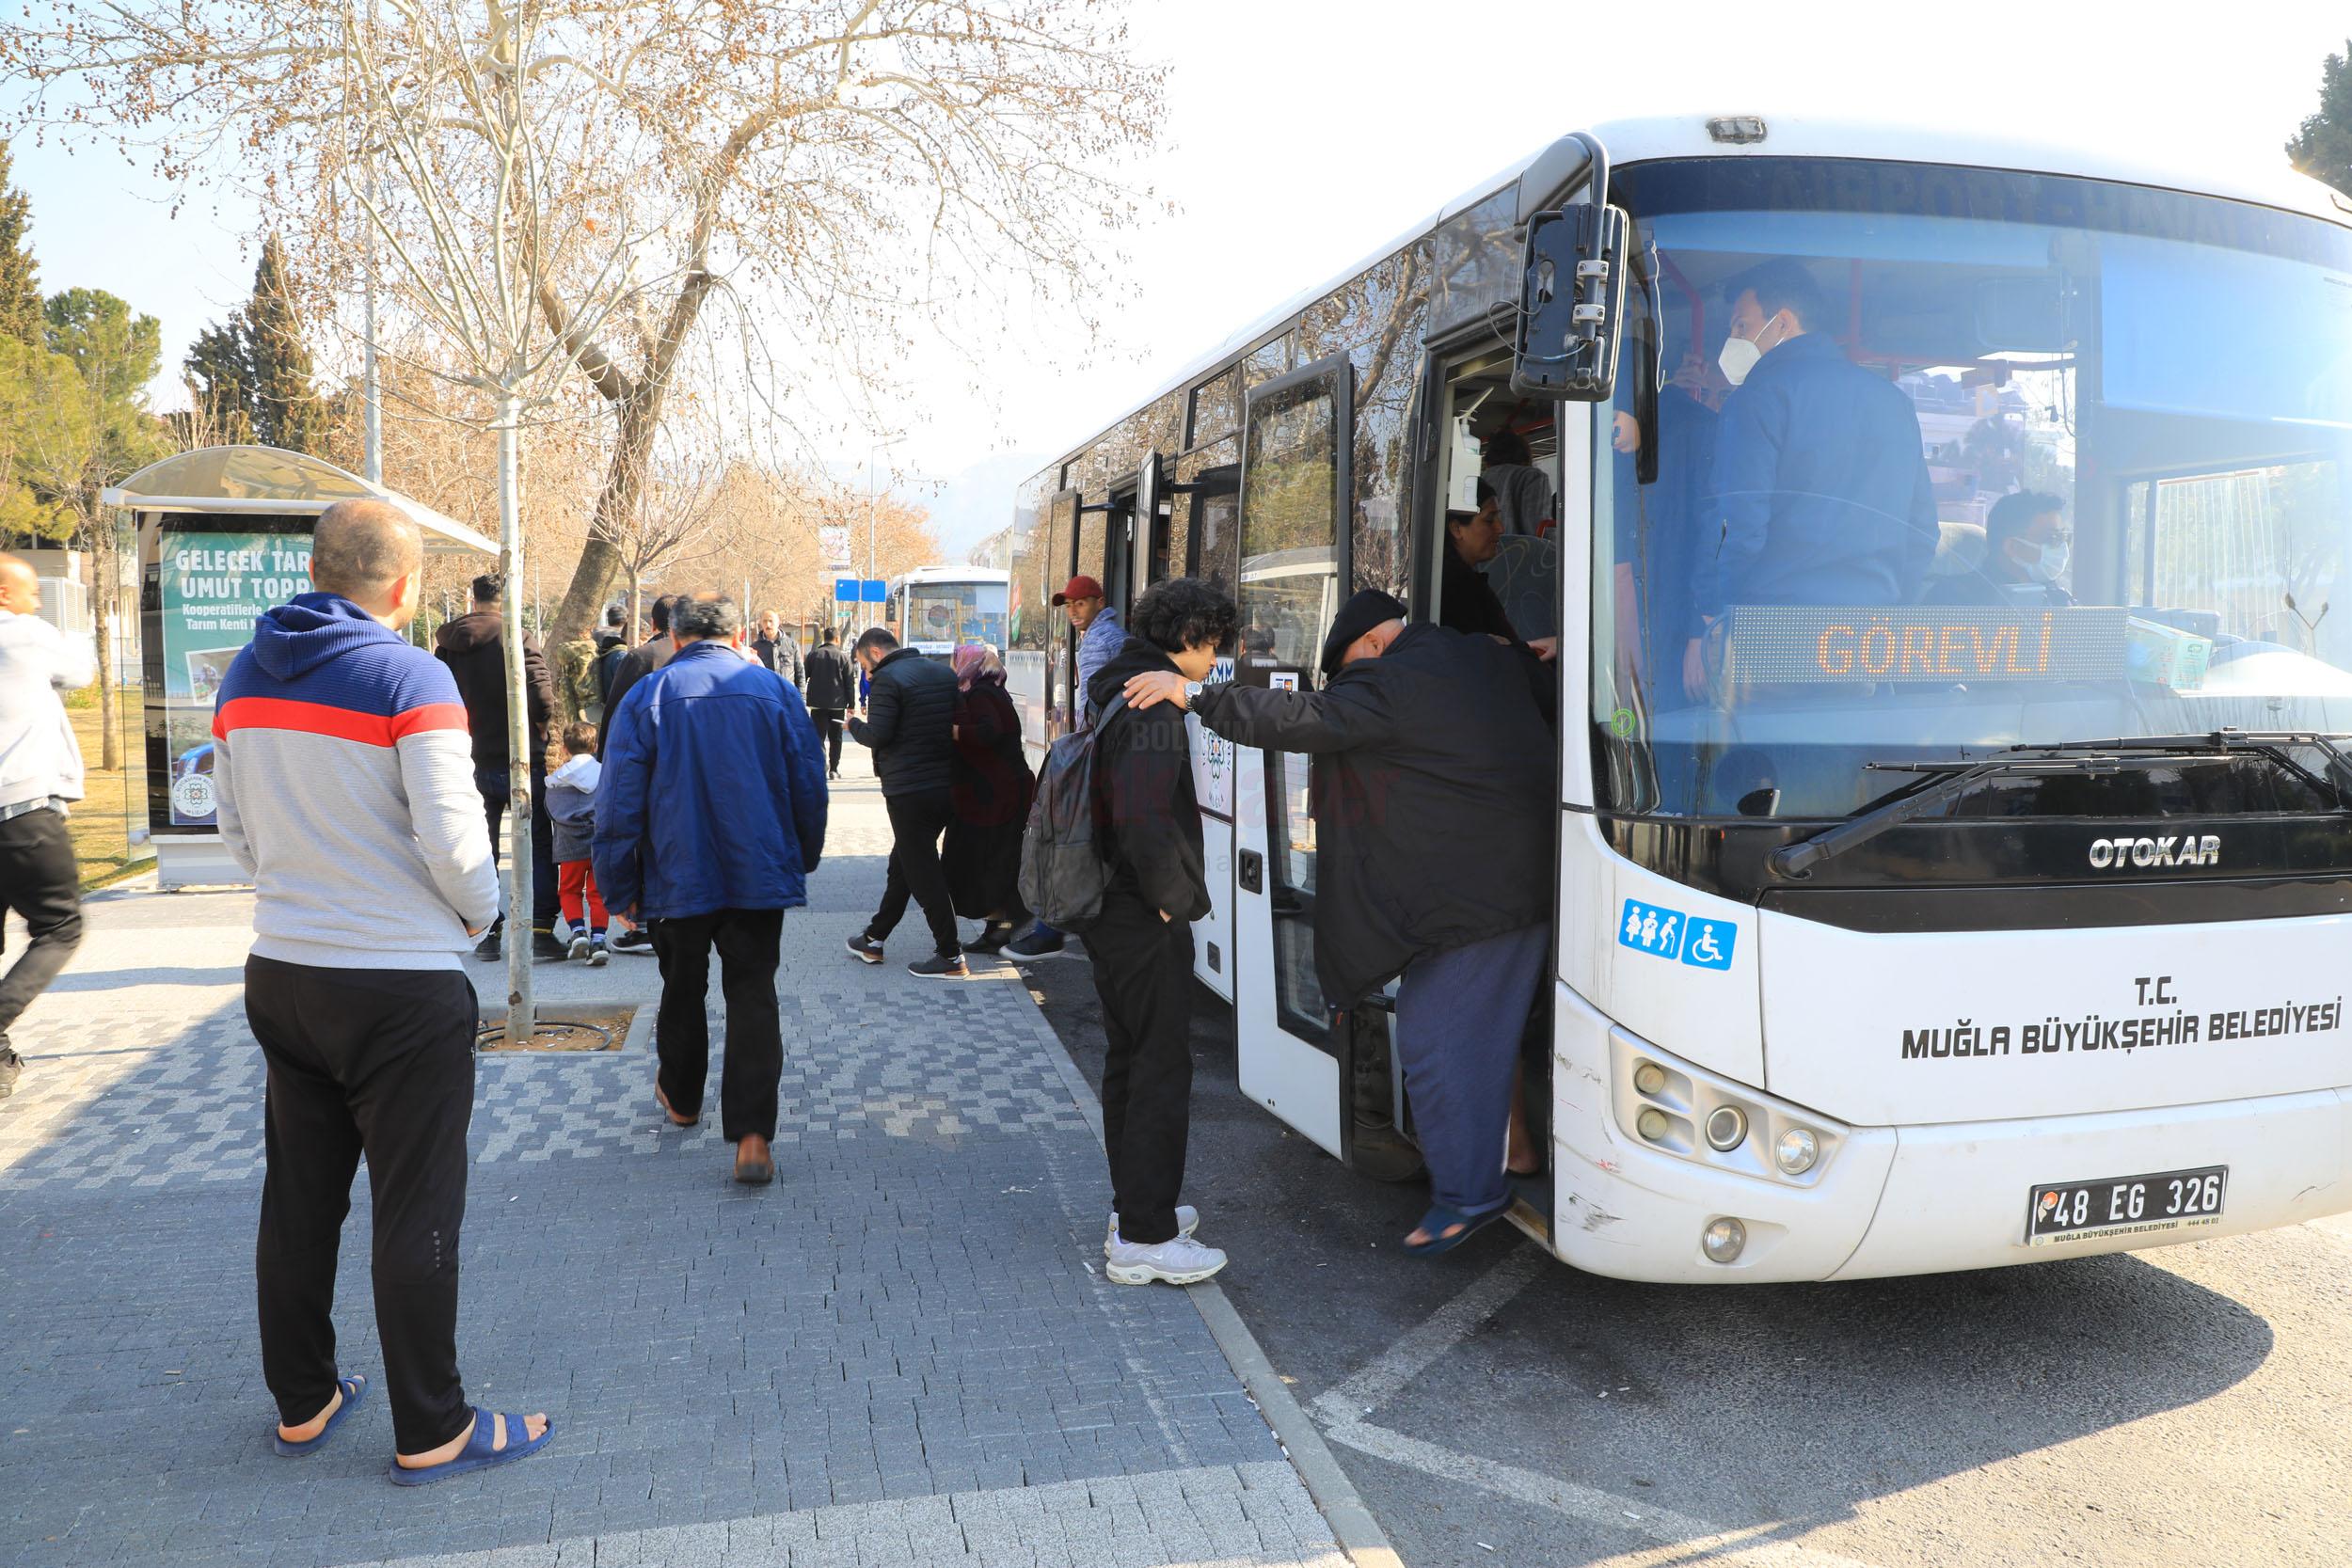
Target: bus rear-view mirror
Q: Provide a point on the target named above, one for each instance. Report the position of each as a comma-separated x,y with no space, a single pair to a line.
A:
1571,305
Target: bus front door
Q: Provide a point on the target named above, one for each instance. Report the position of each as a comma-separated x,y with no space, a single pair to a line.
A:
1294,559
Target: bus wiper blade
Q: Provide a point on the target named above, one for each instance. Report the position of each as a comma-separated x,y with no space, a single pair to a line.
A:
2275,744
1952,778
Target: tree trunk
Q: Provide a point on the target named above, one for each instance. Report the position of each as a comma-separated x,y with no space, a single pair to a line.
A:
600,563
520,1023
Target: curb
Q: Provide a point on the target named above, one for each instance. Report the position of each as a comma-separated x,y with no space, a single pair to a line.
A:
1359,1533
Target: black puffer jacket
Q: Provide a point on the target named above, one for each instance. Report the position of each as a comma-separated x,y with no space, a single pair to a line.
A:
1143,774
910,724
1433,797
474,649
831,681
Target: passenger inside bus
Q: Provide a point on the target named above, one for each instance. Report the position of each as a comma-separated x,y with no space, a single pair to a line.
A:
1821,472
1466,601
1523,491
2030,558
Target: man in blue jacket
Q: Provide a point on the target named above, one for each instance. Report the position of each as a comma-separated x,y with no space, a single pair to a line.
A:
709,817
1821,472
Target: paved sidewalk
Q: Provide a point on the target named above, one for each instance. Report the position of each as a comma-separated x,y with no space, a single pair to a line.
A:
903,1352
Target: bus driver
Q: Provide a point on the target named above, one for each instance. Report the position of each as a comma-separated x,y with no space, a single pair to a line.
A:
1821,472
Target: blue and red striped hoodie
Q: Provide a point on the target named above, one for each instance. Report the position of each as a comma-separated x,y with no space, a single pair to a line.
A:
346,789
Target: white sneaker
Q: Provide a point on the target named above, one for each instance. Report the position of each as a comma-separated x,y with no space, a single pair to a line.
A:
579,945
1181,1261
1187,1221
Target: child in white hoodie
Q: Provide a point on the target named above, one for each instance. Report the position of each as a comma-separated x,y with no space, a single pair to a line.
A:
572,808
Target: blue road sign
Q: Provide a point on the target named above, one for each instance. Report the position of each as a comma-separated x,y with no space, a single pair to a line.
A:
845,590
875,590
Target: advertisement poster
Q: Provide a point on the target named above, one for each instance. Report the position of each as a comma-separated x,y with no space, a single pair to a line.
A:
210,589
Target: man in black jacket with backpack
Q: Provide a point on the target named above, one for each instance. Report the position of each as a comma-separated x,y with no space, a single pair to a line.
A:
910,725
1141,942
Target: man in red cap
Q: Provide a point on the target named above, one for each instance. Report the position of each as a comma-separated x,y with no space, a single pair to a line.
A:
1100,637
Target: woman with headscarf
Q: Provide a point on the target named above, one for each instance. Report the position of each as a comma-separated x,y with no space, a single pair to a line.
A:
992,789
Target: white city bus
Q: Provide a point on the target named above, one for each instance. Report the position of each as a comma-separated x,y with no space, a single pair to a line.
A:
933,609
1998,916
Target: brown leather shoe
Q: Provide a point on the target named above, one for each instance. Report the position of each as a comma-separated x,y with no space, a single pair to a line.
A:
754,1165
675,1120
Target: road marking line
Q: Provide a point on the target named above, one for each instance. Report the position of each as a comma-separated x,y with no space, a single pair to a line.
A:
1375,1383
1696,1539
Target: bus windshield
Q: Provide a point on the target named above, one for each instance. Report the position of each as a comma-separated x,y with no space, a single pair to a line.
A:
951,614
1909,462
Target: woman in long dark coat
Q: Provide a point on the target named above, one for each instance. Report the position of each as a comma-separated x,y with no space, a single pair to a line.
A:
992,786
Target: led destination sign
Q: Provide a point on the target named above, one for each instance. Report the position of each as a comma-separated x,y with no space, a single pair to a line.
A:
1814,644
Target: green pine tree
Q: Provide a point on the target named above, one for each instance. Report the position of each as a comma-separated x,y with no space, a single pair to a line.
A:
19,278
2322,148
219,373
286,408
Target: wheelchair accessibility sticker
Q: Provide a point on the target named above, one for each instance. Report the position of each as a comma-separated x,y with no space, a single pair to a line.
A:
1664,933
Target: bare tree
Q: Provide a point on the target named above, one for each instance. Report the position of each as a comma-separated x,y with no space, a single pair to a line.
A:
424,124
842,173
578,180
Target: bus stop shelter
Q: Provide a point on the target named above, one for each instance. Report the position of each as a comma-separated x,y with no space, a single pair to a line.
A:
222,534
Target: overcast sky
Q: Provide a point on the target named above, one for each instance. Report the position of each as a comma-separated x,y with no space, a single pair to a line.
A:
1304,133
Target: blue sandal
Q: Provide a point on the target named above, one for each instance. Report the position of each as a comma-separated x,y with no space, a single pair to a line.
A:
353,1388
1440,1219
477,1454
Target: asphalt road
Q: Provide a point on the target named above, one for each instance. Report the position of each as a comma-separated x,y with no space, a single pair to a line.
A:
2180,1407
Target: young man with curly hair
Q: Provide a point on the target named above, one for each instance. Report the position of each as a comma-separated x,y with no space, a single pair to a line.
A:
1141,944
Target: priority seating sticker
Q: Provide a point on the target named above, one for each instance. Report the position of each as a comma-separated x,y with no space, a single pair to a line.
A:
1664,933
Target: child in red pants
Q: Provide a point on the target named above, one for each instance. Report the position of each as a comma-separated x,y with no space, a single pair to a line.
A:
572,809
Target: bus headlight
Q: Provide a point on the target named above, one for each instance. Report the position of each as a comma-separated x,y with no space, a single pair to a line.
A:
1724,1241
1726,1127
1796,1151
1651,1124
1650,1078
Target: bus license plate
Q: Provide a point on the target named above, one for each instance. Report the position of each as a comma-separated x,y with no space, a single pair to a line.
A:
2125,1205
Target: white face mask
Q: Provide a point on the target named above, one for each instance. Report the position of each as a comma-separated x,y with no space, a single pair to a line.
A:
1739,355
2050,564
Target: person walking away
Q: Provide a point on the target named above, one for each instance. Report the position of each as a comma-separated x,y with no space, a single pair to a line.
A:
776,650
909,725
347,793
832,692
1100,637
1141,942
41,776
474,648
572,807
611,648
1433,796
993,785
709,816
640,661
632,667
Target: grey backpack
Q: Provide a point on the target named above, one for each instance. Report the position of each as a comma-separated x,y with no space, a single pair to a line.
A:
1064,873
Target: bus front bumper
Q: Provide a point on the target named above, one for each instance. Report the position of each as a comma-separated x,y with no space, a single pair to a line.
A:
1910,1201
